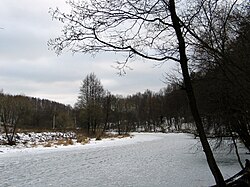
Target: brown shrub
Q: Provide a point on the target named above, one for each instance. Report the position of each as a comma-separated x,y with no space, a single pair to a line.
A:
48,144
81,138
68,142
98,138
60,142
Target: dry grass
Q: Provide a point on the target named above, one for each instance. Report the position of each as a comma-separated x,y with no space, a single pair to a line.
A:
34,145
111,136
64,142
86,141
82,138
68,142
59,142
48,144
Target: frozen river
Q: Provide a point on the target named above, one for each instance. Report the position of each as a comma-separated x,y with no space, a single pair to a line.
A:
147,160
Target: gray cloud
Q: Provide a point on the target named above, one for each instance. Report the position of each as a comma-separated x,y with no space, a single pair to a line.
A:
28,67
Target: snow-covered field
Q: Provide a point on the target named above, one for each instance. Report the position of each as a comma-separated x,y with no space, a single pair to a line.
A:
145,160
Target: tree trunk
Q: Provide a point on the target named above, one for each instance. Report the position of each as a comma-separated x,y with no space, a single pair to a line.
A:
9,135
236,149
241,128
119,127
107,114
191,97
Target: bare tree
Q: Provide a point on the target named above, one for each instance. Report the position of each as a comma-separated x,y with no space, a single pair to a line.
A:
219,34
90,100
152,30
10,112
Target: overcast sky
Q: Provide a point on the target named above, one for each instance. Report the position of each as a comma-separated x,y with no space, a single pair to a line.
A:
27,66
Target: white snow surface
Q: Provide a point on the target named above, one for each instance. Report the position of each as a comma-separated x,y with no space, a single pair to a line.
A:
93,143
145,160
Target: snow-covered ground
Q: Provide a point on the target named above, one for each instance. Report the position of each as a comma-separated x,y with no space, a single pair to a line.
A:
36,142
144,160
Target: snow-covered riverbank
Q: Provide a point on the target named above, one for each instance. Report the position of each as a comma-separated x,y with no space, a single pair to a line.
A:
36,142
145,160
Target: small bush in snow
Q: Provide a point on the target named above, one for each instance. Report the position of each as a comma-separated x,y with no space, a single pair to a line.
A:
98,138
80,138
68,142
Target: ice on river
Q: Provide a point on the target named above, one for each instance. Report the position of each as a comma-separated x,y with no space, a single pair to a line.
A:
146,160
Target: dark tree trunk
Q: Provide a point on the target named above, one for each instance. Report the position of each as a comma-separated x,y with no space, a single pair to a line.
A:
240,127
88,125
191,97
119,127
236,150
107,114
9,135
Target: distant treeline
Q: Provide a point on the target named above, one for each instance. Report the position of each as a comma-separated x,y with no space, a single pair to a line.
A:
29,112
